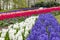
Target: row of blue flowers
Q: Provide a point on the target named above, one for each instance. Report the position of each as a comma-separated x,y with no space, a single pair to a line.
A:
22,9
45,28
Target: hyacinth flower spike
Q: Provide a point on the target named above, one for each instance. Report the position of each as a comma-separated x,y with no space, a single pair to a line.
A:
45,28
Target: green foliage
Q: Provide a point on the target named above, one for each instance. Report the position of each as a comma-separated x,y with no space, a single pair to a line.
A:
7,36
58,18
20,19
3,23
56,13
6,23
46,4
23,33
0,34
16,31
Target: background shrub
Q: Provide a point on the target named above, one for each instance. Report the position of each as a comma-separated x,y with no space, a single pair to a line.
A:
46,4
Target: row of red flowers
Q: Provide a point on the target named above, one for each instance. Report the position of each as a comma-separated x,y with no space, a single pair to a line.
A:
27,13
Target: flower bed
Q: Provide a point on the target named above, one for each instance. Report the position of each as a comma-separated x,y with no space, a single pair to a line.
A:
24,29
18,31
27,13
34,27
7,22
45,28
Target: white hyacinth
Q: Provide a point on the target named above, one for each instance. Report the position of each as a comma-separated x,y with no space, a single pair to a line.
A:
11,33
26,33
19,34
27,24
21,25
20,38
4,32
1,38
16,25
10,26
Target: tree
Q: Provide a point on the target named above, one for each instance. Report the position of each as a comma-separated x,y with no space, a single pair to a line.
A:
0,4
20,3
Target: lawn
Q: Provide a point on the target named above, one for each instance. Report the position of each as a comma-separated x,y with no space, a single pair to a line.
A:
58,18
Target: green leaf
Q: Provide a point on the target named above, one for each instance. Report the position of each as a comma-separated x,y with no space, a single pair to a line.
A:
7,36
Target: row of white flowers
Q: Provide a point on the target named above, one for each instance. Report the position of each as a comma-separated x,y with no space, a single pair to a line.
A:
18,31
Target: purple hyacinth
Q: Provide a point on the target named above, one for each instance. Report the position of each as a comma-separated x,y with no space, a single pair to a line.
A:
46,28
55,38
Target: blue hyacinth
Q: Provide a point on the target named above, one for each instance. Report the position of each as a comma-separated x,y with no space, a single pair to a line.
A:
45,28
